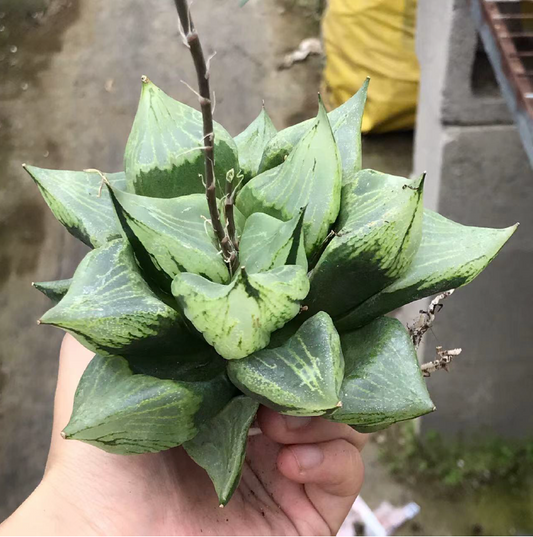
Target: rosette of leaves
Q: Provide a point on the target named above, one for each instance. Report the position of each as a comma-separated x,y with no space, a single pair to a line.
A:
187,344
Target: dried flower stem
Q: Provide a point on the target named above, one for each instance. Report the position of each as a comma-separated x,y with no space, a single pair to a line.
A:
192,41
426,319
443,360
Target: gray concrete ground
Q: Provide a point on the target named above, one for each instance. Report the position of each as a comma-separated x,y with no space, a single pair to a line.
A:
69,86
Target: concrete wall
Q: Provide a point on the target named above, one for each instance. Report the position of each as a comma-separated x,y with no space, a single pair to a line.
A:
478,174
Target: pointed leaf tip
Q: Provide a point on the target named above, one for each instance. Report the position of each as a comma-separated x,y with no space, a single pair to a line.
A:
76,200
311,176
111,309
450,255
163,157
252,142
382,383
380,230
346,125
138,413
220,445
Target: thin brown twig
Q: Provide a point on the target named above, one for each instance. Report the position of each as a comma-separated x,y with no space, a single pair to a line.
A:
426,319
443,360
229,209
202,72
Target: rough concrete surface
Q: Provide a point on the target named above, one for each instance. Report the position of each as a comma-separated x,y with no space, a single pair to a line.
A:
457,82
486,181
69,86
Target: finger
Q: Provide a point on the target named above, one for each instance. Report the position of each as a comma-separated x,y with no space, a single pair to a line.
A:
332,473
296,430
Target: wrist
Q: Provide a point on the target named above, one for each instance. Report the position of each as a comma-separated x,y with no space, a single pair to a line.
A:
47,512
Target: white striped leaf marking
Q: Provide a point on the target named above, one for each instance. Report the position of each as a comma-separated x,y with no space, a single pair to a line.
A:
77,200
380,231
382,383
164,157
237,319
302,377
112,310
450,255
125,413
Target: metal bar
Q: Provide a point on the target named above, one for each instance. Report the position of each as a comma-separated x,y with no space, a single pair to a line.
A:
508,68
513,16
515,35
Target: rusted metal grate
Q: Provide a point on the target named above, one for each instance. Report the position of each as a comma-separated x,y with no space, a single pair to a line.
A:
506,29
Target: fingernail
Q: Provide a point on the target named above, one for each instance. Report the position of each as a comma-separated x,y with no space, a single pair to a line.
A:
308,456
296,422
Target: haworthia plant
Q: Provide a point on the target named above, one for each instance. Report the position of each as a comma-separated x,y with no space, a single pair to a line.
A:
220,445
163,156
302,377
310,177
55,290
382,380
79,202
266,274
251,143
140,413
238,318
380,228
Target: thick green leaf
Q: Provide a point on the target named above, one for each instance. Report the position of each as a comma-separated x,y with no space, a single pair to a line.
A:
163,156
238,318
269,243
310,177
124,413
346,125
252,142
450,255
382,383
220,446
175,232
381,229
302,377
54,290
79,202
112,310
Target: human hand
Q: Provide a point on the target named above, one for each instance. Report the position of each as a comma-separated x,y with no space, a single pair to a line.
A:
300,476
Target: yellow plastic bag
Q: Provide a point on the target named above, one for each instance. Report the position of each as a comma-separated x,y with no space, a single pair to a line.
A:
373,38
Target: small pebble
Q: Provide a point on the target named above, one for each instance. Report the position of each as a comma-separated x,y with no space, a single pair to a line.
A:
24,86
13,49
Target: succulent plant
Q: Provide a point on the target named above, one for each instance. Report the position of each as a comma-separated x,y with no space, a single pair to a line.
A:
192,333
